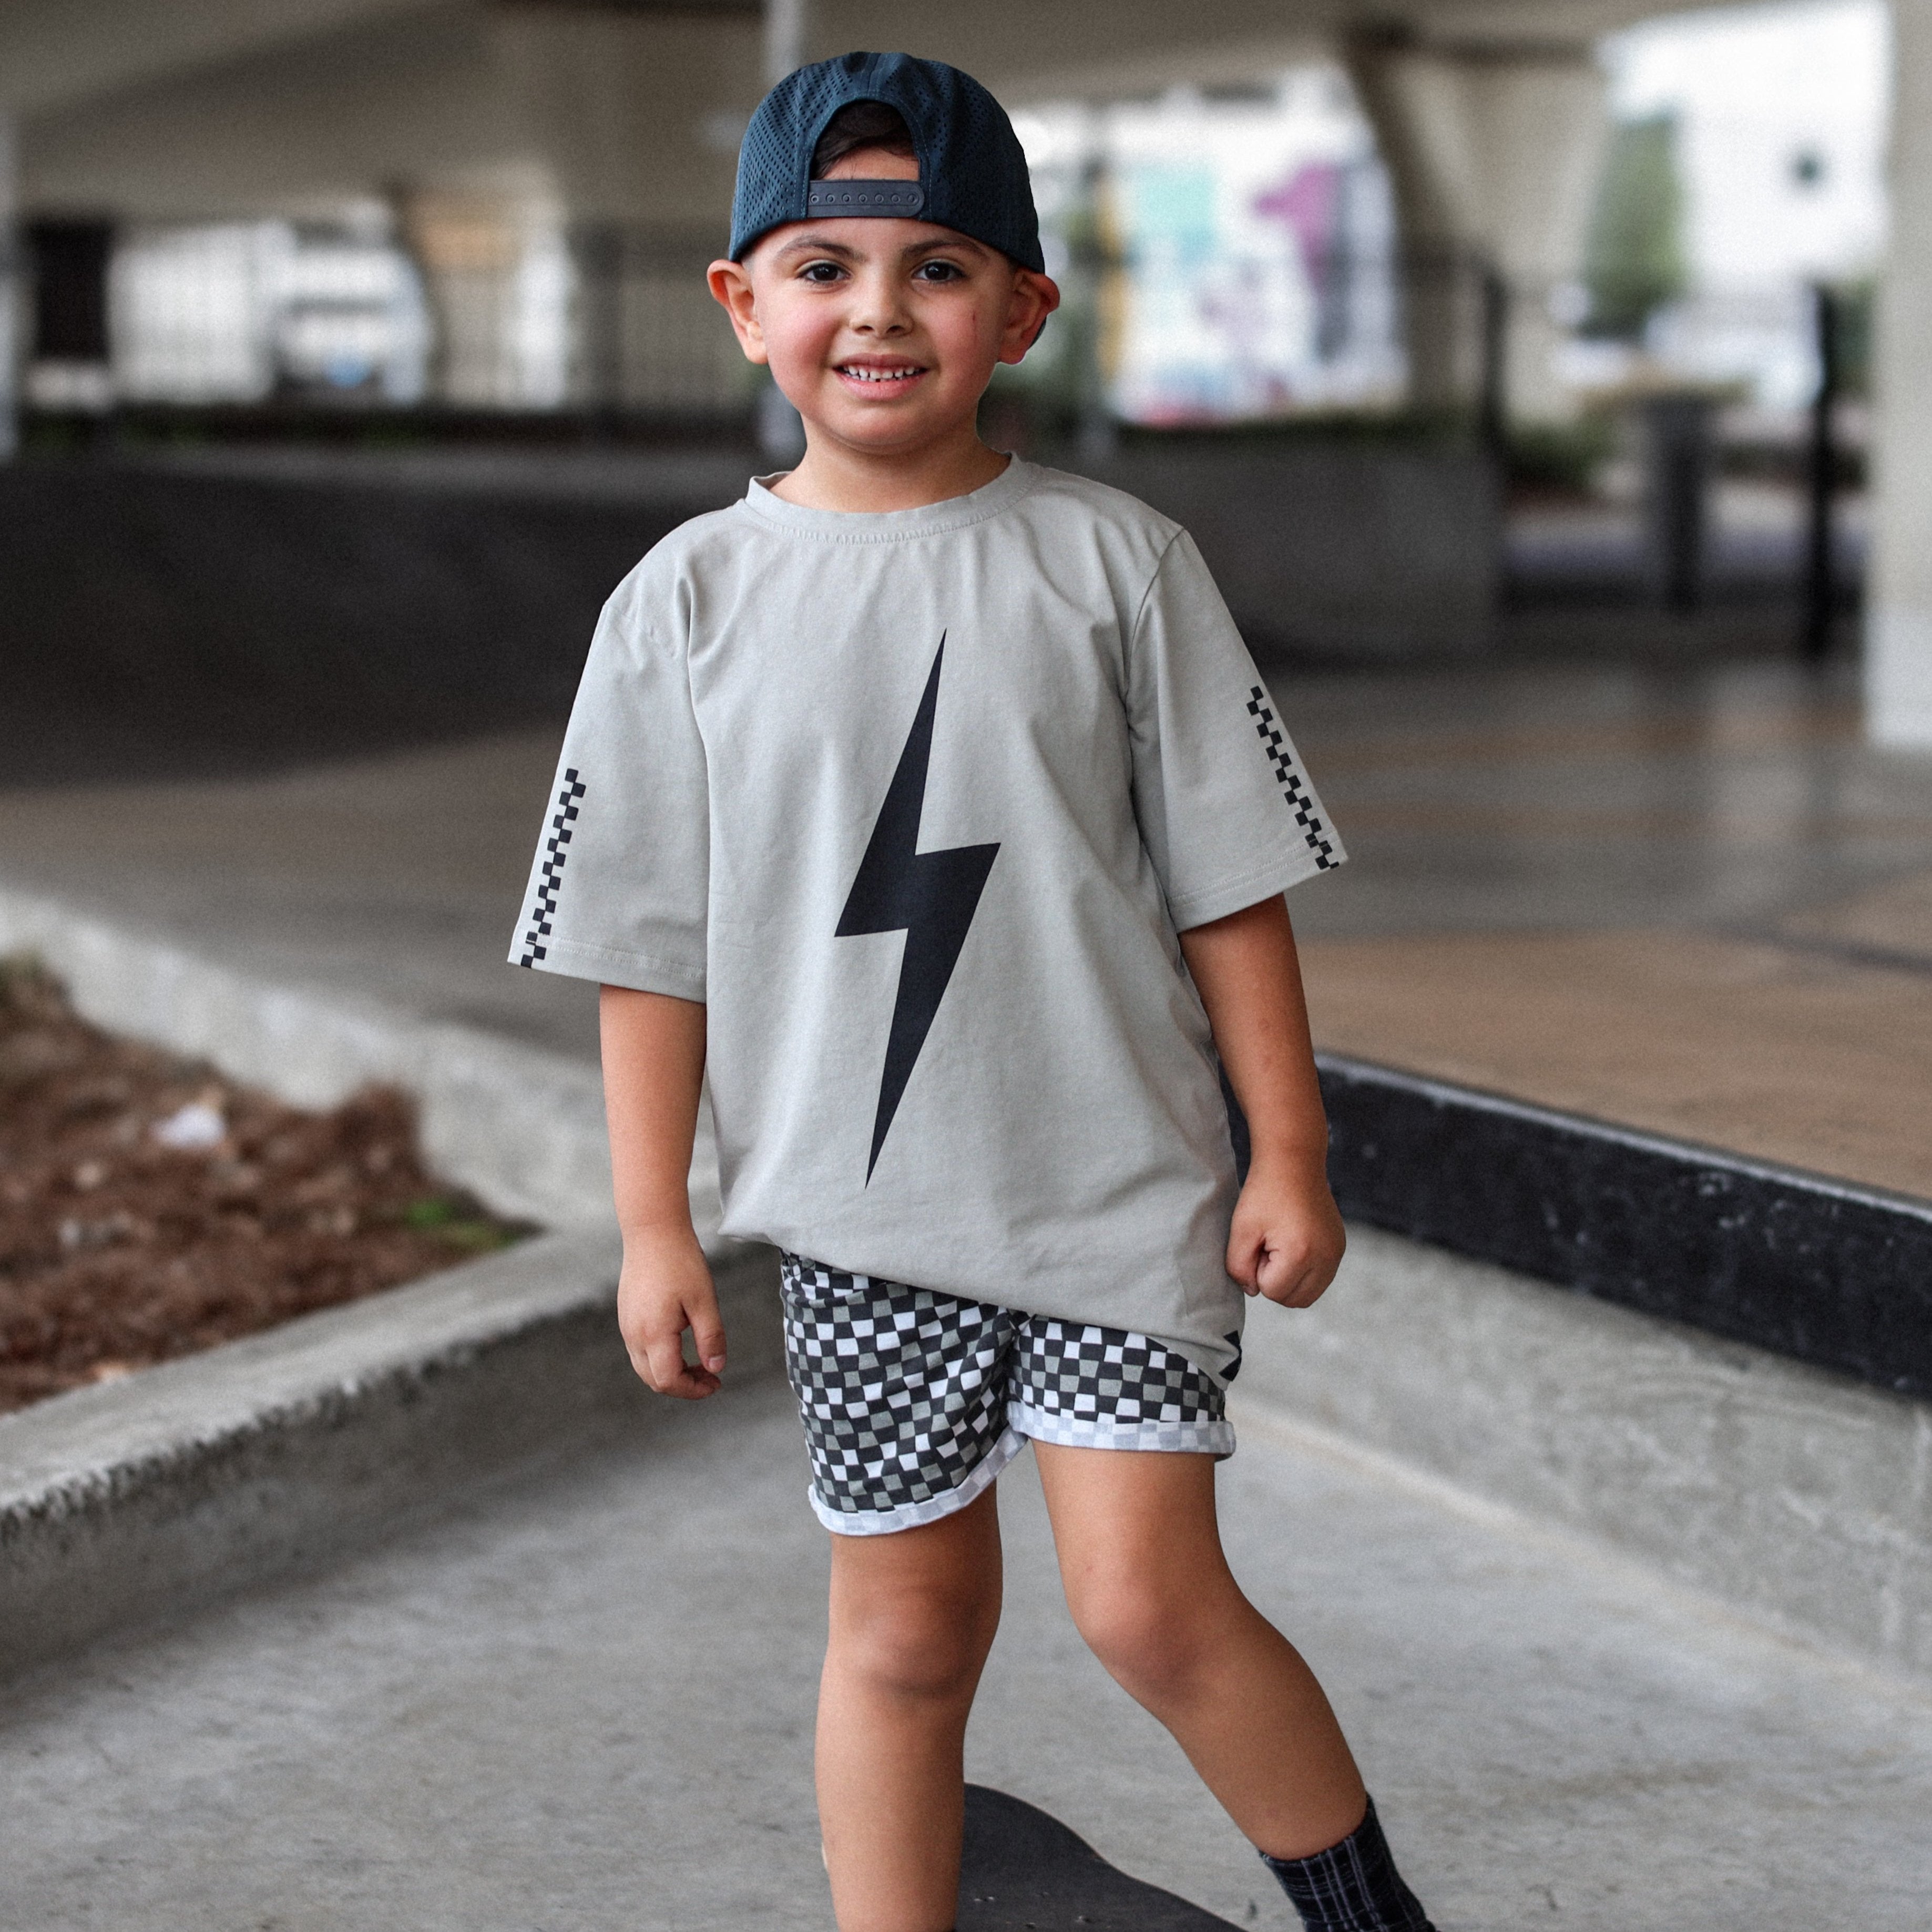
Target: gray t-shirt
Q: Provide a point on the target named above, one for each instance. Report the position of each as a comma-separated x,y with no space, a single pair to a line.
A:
916,803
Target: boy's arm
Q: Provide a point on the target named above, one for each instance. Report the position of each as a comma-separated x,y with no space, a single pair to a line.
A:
1287,1239
653,1071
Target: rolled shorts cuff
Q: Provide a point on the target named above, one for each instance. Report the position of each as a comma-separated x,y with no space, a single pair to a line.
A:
910,1516
1196,1438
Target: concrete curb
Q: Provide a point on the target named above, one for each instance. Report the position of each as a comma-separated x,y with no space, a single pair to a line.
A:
148,1496
521,1128
142,1497
1818,1269
1800,1498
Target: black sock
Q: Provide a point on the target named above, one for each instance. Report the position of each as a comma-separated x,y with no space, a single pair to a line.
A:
1351,1887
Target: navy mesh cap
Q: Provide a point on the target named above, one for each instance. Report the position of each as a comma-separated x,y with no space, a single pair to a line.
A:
972,171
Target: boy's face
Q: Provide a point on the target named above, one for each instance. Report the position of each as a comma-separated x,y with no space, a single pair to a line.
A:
883,334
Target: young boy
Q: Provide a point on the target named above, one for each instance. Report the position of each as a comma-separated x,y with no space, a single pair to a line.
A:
929,801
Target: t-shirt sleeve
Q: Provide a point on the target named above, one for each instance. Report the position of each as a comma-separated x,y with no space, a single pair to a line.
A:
620,886
1225,808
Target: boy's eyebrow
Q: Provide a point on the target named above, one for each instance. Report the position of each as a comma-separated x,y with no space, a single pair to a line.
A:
814,244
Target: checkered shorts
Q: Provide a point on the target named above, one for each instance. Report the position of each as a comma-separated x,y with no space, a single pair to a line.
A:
914,1401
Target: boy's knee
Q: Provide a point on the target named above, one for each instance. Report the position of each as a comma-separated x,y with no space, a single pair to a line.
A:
1153,1645
917,1643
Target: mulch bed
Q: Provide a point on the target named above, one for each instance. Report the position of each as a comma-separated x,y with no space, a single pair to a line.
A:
149,1207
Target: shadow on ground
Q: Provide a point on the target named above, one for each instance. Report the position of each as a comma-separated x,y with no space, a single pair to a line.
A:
1024,1871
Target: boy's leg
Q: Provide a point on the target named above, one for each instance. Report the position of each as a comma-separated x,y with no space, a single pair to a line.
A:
1150,1588
913,1617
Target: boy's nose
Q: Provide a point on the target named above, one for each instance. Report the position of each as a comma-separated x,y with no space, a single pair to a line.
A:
880,311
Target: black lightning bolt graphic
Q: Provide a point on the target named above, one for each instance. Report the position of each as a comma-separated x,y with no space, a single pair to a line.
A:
929,896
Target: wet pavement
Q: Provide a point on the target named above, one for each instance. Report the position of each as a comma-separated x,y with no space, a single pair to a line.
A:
1698,903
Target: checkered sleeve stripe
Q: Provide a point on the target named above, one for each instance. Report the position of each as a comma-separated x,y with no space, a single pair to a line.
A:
1109,1388
1294,788
544,911
1351,1887
900,1390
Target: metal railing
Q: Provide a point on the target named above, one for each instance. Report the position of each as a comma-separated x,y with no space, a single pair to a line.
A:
597,318
614,319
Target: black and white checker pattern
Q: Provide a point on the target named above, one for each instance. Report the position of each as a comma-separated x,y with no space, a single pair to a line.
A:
544,911
1108,1388
913,1401
1294,786
902,1393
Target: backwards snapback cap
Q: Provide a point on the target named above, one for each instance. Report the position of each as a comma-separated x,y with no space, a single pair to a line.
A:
972,171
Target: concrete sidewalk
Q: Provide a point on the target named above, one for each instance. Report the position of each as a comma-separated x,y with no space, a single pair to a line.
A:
585,1702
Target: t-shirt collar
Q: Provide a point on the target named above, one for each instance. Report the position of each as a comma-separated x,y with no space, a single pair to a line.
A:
954,513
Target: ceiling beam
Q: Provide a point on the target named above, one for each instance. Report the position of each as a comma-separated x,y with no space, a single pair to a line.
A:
57,52
53,52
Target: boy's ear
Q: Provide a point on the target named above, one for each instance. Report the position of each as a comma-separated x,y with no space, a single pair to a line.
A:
731,289
1035,298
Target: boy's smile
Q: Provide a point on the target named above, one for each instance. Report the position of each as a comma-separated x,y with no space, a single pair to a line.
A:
869,372
882,331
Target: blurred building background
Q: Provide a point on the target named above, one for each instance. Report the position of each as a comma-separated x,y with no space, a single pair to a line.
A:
1582,296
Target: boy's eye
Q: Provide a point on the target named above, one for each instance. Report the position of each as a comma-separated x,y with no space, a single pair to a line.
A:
820,271
939,272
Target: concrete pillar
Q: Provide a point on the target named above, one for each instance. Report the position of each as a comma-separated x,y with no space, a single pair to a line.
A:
11,292
1494,154
787,34
1898,625
491,254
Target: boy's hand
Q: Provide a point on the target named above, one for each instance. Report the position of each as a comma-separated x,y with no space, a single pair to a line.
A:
665,1288
1287,1239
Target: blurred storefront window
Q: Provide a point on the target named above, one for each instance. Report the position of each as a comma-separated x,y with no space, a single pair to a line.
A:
1245,246
1756,136
240,312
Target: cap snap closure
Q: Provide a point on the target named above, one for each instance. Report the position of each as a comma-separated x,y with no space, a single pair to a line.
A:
899,198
